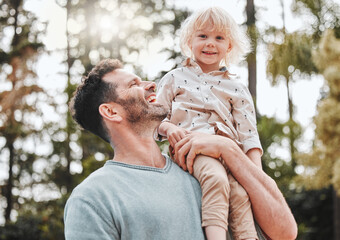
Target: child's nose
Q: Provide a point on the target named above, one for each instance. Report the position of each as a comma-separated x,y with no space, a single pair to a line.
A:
210,43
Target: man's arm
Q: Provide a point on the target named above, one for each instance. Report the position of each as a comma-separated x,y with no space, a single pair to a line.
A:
254,154
83,221
269,206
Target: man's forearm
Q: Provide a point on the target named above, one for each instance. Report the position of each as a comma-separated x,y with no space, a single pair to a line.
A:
269,206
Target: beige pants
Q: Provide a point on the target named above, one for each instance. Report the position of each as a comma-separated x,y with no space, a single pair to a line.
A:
223,195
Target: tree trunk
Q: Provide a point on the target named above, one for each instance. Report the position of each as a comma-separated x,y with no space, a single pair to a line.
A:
252,74
9,187
250,9
9,139
336,216
291,124
69,62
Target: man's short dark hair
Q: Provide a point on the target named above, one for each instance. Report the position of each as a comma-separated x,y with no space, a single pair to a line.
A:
90,94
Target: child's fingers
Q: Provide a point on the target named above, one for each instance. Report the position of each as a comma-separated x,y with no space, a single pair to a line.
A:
176,137
172,142
182,135
186,132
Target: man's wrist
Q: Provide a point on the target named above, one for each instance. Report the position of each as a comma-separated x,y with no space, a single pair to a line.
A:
227,148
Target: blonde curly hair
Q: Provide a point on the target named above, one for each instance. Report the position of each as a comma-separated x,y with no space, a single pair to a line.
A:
221,22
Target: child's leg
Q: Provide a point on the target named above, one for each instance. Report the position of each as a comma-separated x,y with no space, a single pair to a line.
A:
215,195
215,233
241,219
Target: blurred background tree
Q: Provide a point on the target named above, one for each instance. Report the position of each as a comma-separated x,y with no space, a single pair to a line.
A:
290,60
20,116
322,165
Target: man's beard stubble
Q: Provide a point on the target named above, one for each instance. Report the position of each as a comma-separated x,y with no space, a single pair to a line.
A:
139,112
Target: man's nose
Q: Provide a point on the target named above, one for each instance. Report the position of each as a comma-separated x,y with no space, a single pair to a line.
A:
148,85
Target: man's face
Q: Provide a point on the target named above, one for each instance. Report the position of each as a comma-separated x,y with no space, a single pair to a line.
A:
137,97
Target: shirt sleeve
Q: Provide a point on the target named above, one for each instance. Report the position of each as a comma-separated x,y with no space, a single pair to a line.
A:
83,221
245,120
166,91
165,95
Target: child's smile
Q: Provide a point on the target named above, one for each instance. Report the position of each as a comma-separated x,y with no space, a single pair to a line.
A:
209,48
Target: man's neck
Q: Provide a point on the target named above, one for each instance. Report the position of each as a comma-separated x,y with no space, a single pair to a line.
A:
138,150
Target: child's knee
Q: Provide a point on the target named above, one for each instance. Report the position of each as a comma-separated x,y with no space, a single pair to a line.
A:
207,168
218,180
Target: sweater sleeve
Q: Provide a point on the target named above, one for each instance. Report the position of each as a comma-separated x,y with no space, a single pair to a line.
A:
83,221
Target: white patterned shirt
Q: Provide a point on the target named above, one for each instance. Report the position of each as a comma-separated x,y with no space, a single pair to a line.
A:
210,103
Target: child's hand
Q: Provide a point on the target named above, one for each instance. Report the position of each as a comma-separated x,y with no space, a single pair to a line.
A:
175,134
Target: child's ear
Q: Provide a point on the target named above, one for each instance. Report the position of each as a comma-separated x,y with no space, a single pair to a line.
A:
110,112
190,43
230,48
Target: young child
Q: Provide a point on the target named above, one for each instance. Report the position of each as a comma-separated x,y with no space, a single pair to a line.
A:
203,97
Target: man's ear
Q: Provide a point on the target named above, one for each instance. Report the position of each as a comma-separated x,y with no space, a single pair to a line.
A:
110,112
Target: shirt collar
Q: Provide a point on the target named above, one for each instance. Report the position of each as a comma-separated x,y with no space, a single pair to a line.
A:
190,63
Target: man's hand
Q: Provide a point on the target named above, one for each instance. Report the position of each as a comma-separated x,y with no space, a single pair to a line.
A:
194,144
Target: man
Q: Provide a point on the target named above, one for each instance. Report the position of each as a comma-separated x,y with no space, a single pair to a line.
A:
141,194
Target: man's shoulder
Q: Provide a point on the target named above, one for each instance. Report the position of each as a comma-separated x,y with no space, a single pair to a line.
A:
96,180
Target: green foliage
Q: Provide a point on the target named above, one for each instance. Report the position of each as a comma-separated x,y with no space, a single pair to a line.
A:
4,57
43,221
25,228
119,29
312,210
324,14
292,56
90,164
322,165
289,60
18,104
271,135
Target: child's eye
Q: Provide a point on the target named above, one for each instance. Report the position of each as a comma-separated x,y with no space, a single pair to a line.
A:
202,36
219,38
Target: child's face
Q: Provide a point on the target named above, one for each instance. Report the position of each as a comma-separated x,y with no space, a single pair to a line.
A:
209,48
